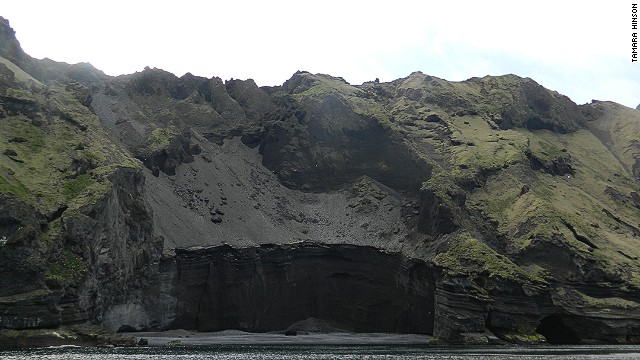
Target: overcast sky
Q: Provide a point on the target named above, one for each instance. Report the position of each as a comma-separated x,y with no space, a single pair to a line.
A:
581,49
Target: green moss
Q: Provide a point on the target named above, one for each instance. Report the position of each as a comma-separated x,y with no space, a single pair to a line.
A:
20,94
14,187
160,138
40,172
547,153
68,268
468,255
324,86
442,183
521,338
73,187
21,127
609,302
370,108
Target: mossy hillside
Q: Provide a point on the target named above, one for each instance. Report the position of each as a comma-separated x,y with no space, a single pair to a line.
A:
484,148
160,138
20,95
491,97
551,202
617,127
464,140
573,297
547,151
422,105
319,87
329,126
578,193
467,255
48,170
512,101
53,232
63,159
542,215
479,151
583,194
455,123
498,92
412,113
74,187
442,96
465,146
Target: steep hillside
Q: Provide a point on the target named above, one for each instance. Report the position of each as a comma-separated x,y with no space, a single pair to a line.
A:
74,231
479,211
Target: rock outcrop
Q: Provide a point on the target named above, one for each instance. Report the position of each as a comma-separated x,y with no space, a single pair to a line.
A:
272,287
480,211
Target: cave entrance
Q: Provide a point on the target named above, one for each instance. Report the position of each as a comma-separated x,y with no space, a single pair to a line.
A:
556,331
271,288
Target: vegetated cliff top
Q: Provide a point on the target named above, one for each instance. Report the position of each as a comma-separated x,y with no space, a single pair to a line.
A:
55,152
494,180
504,158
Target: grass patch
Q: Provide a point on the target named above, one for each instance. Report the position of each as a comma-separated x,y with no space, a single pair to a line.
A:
468,255
160,138
323,86
21,95
67,269
40,173
14,187
73,188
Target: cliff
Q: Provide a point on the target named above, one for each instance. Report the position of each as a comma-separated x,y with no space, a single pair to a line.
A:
485,210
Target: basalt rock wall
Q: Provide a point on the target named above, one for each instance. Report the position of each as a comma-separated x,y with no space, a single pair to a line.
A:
271,287
95,258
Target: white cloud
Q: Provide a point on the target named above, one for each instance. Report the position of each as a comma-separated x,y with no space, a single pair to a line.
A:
574,48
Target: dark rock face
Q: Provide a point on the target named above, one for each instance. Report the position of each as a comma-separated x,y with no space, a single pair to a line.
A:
178,151
559,165
10,47
361,289
57,287
335,141
272,287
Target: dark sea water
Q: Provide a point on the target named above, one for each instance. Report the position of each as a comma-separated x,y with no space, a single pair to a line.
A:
254,352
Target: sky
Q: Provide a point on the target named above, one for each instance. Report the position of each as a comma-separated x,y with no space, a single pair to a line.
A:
581,49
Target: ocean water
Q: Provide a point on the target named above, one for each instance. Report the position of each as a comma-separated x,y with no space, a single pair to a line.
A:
299,352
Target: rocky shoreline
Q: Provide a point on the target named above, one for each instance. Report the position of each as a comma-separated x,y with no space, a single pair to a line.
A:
236,337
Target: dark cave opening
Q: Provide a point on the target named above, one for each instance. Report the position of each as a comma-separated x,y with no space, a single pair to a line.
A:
556,331
269,288
8,226
535,123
